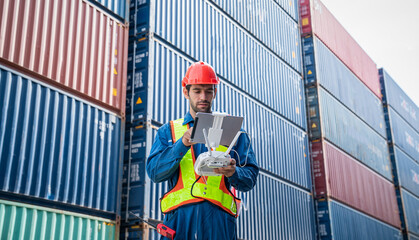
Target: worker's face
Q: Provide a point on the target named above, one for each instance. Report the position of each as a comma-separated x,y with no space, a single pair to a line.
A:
200,97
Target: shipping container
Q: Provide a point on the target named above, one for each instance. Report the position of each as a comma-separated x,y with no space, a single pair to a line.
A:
339,176
286,90
254,15
395,97
269,22
337,221
57,149
329,119
317,20
324,68
69,44
117,8
24,221
276,210
402,134
407,172
411,210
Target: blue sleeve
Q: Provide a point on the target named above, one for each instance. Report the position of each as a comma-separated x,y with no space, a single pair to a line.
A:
165,155
247,170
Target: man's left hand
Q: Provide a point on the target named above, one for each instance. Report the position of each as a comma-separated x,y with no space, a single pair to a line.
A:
227,171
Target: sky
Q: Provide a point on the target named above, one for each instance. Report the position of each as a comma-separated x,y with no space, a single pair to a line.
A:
388,31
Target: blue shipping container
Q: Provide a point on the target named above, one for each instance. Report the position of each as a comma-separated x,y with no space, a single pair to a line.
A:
286,95
56,147
411,211
338,221
394,96
408,171
403,135
119,8
269,23
348,132
255,14
276,210
337,79
204,31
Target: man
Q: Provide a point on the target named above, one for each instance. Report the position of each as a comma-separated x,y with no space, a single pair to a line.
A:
199,207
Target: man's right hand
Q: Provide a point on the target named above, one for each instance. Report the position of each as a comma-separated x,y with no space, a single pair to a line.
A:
186,139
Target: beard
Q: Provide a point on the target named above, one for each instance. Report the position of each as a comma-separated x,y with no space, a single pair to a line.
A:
196,109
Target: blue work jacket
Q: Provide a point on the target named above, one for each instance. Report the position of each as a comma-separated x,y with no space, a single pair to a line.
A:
200,220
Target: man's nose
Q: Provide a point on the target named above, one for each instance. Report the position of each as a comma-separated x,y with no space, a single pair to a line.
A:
203,96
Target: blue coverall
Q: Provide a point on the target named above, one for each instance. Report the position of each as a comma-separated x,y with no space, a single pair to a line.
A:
200,220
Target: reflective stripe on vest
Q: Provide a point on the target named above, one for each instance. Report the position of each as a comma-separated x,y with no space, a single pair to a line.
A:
214,190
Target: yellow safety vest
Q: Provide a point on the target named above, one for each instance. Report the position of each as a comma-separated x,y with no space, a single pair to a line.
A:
214,191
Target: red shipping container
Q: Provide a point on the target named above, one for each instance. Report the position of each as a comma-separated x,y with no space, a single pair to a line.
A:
317,19
69,44
339,176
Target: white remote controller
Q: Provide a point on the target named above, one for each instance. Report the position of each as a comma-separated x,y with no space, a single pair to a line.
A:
206,162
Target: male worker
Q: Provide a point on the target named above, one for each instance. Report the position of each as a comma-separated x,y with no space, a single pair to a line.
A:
199,207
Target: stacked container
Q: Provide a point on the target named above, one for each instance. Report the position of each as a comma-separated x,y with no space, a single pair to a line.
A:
401,115
353,185
62,111
235,37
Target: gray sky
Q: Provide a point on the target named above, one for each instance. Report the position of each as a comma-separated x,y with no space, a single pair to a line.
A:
388,31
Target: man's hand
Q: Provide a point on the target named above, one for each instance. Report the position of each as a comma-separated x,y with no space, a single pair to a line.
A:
227,171
186,139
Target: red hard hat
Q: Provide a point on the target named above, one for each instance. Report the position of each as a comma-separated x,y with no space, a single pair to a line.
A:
200,73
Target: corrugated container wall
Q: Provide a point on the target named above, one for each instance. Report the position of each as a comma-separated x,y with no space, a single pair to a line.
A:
68,44
403,141
341,127
24,221
403,135
395,97
339,176
317,20
347,223
350,156
276,210
166,37
408,171
324,68
270,23
411,210
57,148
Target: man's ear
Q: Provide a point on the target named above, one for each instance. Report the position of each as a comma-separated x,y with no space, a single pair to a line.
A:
185,93
215,92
